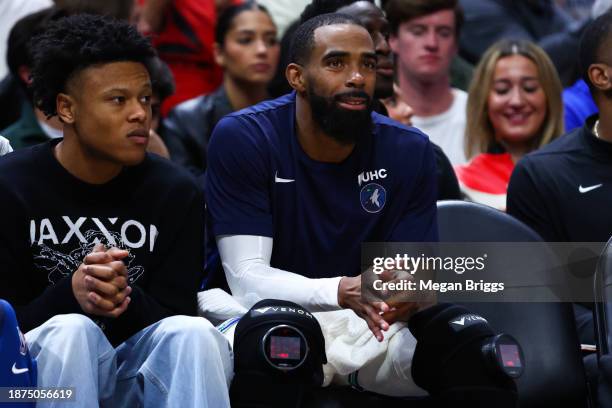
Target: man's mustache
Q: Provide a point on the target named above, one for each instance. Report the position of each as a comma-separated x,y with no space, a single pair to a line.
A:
352,94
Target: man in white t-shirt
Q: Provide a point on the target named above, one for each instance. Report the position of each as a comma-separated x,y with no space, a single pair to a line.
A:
424,35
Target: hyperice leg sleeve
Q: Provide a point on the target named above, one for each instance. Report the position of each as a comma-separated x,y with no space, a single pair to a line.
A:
449,361
279,352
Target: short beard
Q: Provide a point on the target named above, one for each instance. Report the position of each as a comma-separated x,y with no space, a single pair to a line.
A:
345,126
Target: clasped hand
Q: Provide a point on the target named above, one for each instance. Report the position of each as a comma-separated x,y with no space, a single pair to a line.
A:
100,283
378,315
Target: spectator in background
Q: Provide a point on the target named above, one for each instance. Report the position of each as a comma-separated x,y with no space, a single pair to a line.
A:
247,49
33,126
461,71
424,36
514,107
184,33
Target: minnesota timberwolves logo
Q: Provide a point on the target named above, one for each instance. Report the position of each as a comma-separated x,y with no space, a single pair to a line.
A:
373,197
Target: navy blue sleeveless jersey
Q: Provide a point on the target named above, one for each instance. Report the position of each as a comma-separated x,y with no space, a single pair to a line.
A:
260,182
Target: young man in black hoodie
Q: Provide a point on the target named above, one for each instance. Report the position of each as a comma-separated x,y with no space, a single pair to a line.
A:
101,243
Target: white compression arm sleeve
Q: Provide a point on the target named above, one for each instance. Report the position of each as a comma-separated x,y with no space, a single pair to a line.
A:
246,261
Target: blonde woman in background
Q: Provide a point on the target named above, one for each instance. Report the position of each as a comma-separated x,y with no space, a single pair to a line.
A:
514,106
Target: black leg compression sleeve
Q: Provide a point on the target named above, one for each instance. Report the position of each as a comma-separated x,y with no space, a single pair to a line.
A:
449,363
279,352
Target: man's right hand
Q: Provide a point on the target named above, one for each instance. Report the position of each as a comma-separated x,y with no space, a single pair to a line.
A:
100,283
349,297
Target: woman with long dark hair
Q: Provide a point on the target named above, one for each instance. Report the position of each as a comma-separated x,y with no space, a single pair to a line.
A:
247,49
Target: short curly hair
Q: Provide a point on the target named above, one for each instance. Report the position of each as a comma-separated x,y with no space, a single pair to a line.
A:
74,43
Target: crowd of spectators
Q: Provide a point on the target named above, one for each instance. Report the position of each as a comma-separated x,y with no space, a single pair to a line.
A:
511,95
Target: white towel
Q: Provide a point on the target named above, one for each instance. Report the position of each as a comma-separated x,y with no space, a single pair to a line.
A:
349,343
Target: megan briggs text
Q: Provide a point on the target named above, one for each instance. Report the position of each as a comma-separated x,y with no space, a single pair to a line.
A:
468,285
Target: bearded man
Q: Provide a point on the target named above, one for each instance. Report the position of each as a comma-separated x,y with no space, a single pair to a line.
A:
297,184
